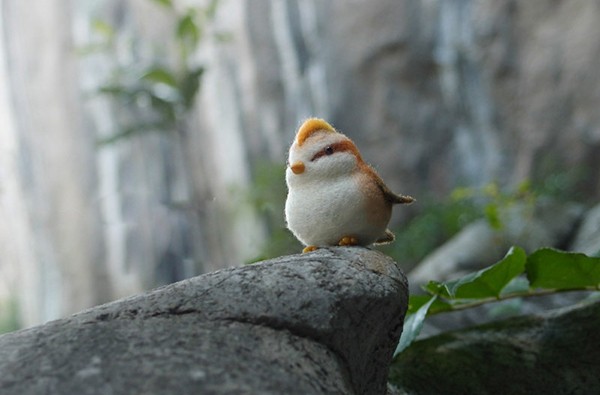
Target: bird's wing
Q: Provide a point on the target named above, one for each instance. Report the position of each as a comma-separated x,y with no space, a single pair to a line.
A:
386,238
388,194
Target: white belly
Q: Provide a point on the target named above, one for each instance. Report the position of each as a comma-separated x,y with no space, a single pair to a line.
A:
323,213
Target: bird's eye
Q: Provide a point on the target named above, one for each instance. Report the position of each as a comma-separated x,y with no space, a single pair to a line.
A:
329,150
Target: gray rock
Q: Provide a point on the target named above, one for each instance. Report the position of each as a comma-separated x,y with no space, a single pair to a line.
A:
587,239
325,322
553,353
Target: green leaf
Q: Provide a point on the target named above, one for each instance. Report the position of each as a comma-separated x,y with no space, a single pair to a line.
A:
188,30
437,288
116,90
124,134
491,190
165,3
524,187
131,132
416,301
211,9
462,193
492,216
190,85
119,91
555,269
546,268
164,108
103,28
486,283
160,75
440,306
490,282
413,325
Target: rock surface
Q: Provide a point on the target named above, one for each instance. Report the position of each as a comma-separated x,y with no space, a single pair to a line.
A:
587,238
324,322
553,353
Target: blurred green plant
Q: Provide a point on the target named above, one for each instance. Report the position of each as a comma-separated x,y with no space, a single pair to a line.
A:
9,315
492,200
267,197
158,94
435,223
545,271
439,221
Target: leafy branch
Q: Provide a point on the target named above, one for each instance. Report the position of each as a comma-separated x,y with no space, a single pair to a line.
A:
158,94
545,271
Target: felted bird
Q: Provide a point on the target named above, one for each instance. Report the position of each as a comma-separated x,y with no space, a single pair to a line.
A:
334,197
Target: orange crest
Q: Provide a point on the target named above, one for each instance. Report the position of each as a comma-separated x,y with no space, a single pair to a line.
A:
311,126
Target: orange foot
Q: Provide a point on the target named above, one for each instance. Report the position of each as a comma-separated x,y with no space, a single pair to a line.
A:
309,249
348,241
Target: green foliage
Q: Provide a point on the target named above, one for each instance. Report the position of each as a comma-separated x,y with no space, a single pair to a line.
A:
436,223
9,315
548,268
414,321
485,283
165,3
267,197
517,275
439,221
494,201
157,94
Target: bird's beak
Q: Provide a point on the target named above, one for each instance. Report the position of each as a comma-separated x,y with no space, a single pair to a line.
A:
297,167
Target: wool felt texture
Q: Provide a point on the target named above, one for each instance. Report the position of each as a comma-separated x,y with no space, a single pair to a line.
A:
336,194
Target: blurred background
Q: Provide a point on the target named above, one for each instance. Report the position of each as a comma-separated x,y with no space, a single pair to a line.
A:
144,141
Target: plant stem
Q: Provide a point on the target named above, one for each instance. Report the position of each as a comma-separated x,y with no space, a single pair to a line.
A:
514,295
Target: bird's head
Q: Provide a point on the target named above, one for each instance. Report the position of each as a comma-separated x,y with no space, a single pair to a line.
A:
319,152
